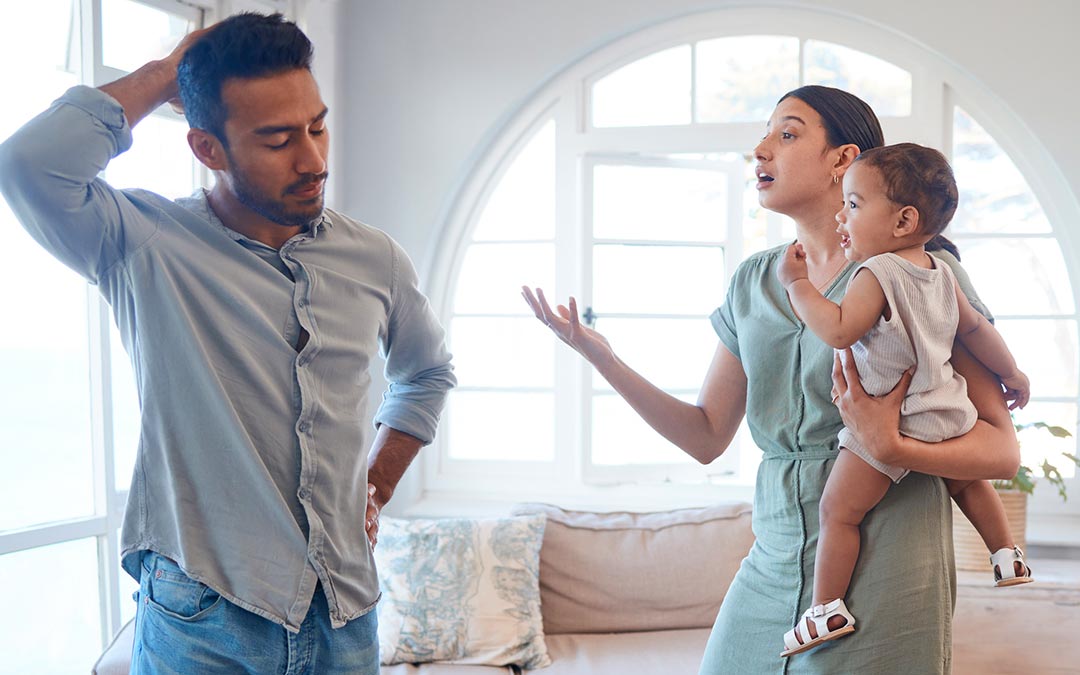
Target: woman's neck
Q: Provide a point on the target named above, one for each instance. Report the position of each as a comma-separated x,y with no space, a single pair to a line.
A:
821,242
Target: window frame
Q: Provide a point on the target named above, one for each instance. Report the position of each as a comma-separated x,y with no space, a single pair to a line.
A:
937,87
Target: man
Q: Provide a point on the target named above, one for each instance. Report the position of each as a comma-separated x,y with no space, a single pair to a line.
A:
251,314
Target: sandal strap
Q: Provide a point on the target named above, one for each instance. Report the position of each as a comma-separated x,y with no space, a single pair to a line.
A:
820,615
1002,561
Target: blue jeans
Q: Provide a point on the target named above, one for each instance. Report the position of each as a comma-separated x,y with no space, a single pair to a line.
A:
184,627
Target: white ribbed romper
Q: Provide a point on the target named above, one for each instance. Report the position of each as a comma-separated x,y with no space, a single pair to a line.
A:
920,331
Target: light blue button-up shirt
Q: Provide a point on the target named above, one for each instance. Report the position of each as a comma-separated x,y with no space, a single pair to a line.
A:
252,462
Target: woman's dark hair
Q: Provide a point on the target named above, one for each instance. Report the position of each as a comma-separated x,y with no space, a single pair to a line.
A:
917,176
847,118
247,45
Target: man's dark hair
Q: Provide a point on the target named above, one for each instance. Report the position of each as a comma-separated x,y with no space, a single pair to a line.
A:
915,175
247,45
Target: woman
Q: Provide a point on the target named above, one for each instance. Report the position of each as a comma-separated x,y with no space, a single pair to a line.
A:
770,368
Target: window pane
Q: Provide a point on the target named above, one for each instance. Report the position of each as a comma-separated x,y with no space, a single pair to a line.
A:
505,426
740,79
45,458
658,279
1045,349
493,274
46,469
670,353
42,38
522,206
651,91
50,623
881,84
994,196
660,203
1036,282
620,436
159,159
502,352
133,34
1037,445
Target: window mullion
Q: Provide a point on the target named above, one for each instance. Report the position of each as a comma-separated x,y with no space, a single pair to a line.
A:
571,277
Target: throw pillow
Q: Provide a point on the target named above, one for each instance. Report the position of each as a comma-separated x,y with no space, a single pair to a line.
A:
461,591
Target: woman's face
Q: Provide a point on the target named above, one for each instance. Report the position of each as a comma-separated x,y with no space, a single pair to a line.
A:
794,170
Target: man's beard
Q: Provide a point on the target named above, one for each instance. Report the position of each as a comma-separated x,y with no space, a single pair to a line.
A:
274,210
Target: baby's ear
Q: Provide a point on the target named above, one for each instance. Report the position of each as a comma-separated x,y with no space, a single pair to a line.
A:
907,222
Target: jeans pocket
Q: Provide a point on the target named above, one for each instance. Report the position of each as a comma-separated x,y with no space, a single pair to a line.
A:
167,589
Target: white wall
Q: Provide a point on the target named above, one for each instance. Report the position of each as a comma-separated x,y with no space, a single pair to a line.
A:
428,82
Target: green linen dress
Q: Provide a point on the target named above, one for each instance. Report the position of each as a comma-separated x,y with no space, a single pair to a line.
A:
903,590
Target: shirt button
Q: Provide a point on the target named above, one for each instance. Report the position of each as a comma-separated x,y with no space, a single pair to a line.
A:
302,302
304,493
304,427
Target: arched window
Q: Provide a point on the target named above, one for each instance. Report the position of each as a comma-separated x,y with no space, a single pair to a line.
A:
626,183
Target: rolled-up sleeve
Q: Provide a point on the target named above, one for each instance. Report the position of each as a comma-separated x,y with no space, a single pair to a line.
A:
418,365
49,177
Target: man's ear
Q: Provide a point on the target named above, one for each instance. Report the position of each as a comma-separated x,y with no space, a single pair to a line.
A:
907,222
208,149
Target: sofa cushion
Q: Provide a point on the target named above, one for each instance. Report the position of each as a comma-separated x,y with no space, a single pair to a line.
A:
116,659
461,591
615,572
648,653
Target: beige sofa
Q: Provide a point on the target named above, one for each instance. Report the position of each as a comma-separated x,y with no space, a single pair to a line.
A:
619,592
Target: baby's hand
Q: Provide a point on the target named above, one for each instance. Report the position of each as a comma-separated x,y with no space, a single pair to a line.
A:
792,265
1017,390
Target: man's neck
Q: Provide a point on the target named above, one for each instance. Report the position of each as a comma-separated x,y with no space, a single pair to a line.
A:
239,218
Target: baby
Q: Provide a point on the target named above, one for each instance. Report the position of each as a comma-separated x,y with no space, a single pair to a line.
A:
902,308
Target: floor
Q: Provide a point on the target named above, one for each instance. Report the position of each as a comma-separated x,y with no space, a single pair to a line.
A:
1033,629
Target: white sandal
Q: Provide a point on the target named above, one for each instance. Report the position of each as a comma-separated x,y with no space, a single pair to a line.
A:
819,615
1003,561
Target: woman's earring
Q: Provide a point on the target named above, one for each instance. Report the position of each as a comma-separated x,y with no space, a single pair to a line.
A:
835,179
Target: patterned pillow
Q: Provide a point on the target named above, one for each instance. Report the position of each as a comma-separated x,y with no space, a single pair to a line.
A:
461,591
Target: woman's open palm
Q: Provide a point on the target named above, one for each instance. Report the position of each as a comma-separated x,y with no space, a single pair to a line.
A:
566,324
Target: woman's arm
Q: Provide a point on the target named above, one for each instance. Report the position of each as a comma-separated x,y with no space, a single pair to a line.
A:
989,451
702,431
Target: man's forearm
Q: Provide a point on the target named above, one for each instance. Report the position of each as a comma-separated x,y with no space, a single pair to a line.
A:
152,85
144,90
391,454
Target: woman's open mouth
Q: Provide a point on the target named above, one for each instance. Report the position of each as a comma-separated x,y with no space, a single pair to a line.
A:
763,179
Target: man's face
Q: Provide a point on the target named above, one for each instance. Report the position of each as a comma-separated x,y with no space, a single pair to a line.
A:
277,146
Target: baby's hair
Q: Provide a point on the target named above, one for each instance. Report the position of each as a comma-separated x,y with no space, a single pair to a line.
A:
917,176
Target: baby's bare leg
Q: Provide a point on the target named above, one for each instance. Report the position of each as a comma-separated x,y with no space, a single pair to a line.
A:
854,487
982,505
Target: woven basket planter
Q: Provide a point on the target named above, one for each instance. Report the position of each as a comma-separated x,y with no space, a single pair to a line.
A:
971,553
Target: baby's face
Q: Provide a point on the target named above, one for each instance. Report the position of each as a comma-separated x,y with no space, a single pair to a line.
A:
866,221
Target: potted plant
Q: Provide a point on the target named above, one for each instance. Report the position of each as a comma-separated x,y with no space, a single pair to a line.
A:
970,550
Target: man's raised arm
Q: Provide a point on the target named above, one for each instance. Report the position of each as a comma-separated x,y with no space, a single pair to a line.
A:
49,168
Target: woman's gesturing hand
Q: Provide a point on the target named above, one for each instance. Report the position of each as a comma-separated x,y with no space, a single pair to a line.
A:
568,327
875,420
